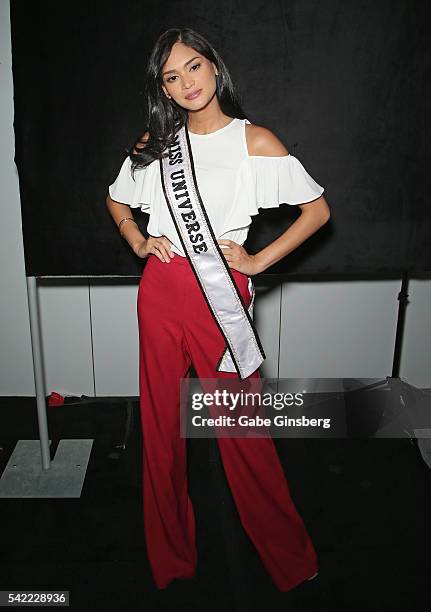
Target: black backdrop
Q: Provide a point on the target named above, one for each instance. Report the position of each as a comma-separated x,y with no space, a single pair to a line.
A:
343,84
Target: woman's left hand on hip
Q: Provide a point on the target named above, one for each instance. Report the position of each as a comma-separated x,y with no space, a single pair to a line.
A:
238,258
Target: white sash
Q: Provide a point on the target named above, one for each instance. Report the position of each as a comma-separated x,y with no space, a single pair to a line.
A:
244,352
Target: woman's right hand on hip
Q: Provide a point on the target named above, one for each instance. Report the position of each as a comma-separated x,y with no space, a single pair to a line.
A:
159,246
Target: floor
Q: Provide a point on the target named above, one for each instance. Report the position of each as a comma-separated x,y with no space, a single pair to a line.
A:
366,504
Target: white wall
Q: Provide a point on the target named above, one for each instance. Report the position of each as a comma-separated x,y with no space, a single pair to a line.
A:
16,368
89,329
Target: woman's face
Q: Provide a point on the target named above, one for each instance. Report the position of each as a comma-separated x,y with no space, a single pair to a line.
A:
186,71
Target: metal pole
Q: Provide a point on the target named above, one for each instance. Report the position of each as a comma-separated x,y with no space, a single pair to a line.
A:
39,379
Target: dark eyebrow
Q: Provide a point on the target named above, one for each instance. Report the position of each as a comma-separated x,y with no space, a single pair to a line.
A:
188,62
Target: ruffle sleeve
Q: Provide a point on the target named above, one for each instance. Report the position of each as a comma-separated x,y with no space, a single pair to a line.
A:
135,191
267,182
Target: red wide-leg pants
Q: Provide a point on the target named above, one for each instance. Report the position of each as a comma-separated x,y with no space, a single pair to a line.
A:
177,329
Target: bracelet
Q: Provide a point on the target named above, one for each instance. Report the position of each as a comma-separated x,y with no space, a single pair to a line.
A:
122,221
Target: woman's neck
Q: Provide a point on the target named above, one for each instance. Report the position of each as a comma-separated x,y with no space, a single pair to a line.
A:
205,124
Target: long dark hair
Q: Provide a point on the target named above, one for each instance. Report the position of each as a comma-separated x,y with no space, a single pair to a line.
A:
164,116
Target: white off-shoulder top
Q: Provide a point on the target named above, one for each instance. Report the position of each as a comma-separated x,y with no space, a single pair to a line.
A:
233,185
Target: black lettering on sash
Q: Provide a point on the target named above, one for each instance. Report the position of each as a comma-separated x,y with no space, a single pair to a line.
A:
189,216
180,185
185,204
175,153
177,175
193,227
181,195
180,191
199,248
175,159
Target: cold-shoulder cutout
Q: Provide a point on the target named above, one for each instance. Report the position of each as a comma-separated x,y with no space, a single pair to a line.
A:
263,142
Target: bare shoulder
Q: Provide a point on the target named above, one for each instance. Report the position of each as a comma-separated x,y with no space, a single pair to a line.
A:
141,142
262,141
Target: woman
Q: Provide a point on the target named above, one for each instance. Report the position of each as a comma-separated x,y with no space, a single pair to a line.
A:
239,167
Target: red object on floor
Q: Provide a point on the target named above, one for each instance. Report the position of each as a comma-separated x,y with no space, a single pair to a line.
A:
177,329
55,399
